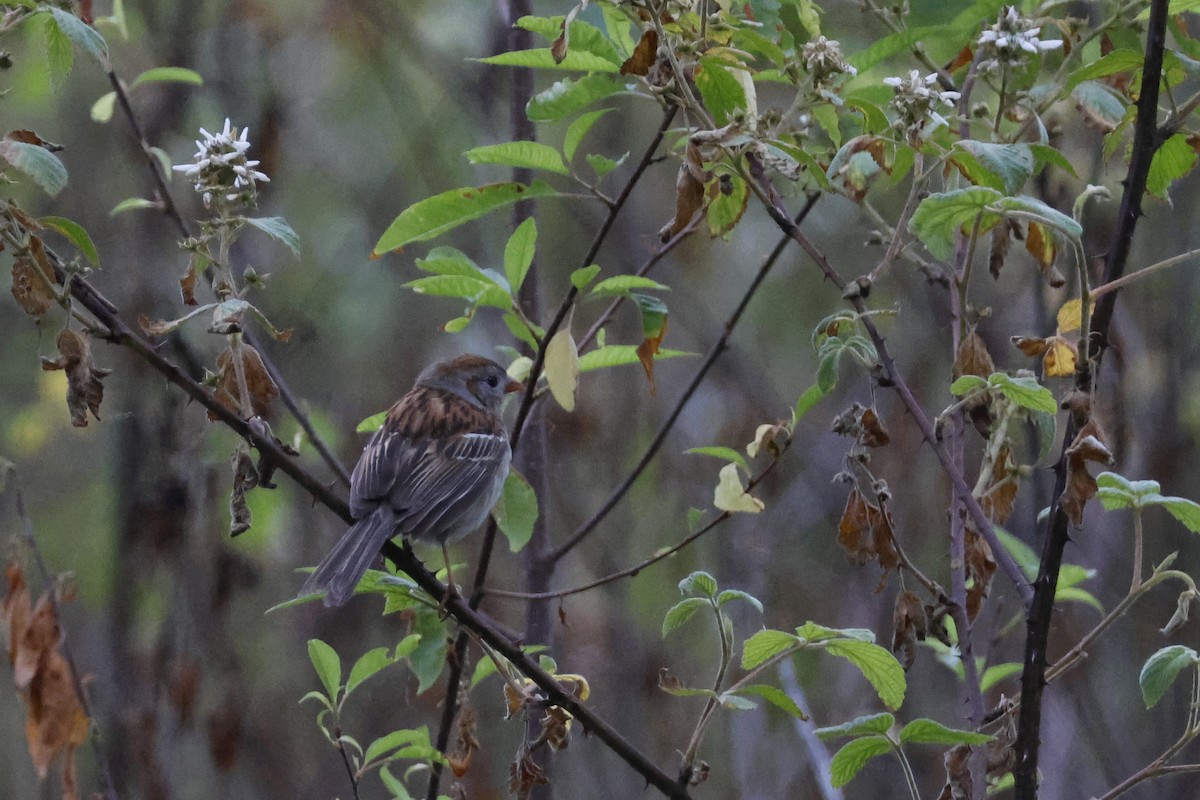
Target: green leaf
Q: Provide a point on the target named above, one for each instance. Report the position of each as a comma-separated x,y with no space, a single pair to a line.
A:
1007,166
726,210
328,666
168,75
764,645
406,646
1174,159
429,656
1045,154
479,291
680,613
37,163
1098,101
927,731
1123,60
812,395
82,35
722,92
602,165
871,724
449,261
853,756
579,129
699,583
877,665
723,453
443,212
737,594
775,697
1184,510
619,355
279,230
620,284
372,423
965,384
516,511
941,216
812,632
518,253
735,703
581,277
395,740
529,155
76,235
569,95
998,672
60,55
826,116
654,314
1025,392
367,665
130,204
542,58
1161,670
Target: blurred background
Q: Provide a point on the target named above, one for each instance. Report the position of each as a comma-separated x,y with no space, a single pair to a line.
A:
357,110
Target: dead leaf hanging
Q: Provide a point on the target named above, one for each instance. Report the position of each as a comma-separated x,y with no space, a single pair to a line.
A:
261,388
85,391
642,58
1088,445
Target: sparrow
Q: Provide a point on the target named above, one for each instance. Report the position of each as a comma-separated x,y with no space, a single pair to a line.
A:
433,472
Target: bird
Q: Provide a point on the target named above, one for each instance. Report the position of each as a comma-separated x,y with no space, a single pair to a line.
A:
432,472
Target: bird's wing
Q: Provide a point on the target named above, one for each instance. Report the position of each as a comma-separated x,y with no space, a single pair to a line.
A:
454,477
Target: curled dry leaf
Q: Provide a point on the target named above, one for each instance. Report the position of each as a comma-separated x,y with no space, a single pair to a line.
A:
909,626
261,388
524,774
1001,492
770,439
28,287
1039,243
1088,445
730,496
642,58
556,728
689,192
958,774
973,357
981,566
558,48
465,742
647,350
187,285
1001,237
865,532
85,391
873,432
245,478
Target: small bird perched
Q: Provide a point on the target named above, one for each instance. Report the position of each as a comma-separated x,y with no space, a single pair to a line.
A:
431,473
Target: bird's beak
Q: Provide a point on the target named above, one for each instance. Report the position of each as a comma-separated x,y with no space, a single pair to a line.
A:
514,386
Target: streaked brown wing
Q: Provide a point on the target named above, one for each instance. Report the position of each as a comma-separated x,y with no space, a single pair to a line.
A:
450,482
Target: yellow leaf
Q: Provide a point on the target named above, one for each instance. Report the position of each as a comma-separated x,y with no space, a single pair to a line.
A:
1069,318
562,368
1060,357
730,496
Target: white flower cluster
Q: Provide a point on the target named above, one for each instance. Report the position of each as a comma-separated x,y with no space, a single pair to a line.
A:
916,101
1013,37
823,59
221,169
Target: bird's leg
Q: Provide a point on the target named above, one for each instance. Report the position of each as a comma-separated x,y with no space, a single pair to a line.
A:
451,589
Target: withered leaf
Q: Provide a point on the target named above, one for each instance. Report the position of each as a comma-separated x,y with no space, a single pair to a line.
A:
245,478
1001,492
642,58
556,728
689,195
29,137
1088,445
85,391
1060,358
874,434
973,357
524,774
261,388
558,48
981,566
646,351
1001,237
865,533
909,626
958,774
28,288
187,285
1030,345
465,742
1040,244
964,57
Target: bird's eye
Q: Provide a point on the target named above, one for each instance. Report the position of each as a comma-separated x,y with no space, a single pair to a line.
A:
492,381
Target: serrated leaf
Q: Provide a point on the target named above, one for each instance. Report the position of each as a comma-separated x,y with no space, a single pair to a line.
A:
1099,104
942,216
727,595
927,731
680,613
722,92
723,453
562,368
76,235
877,665
443,212
731,496
764,645
699,583
620,284
527,155
328,666
775,697
579,129
726,210
1184,510
1161,670
1025,392
1006,167
619,355
563,98
429,656
516,511
168,75
60,55
279,230
1174,159
367,665
518,253
37,163
602,165
82,35
1123,60
853,756
965,384
870,724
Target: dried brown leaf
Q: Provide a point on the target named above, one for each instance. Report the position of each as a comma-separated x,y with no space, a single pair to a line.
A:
909,626
1060,358
646,351
1001,492
1001,238
973,357
689,199
865,533
85,391
29,289
1088,445
259,385
874,434
958,774
642,58
187,285
16,608
981,566
1030,345
524,774
964,57
245,478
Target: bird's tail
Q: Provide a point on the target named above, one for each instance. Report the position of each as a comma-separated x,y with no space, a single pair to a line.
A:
339,572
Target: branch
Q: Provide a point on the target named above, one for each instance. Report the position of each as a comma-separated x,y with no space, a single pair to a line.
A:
1146,140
